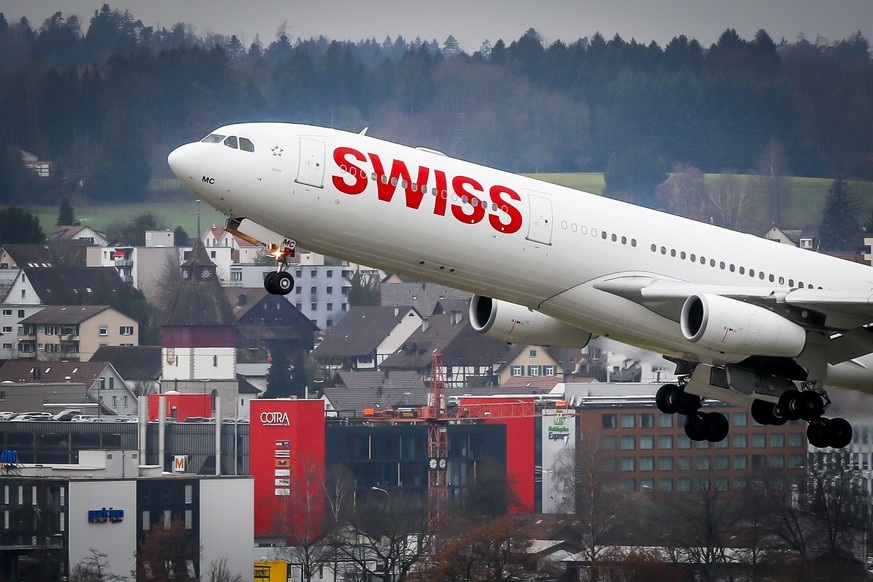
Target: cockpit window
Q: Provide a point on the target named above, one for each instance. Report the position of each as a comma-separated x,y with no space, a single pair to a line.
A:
246,145
231,142
213,138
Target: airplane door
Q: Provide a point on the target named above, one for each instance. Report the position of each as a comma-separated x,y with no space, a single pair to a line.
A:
310,170
539,228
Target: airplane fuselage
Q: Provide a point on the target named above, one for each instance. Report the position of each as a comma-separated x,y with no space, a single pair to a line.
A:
494,233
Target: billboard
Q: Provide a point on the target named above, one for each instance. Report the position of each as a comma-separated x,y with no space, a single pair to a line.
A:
558,445
287,462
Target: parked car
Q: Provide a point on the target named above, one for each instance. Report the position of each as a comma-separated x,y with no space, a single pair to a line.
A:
28,416
66,414
88,418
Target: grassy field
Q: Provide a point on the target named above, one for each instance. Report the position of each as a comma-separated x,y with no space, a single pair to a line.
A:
803,204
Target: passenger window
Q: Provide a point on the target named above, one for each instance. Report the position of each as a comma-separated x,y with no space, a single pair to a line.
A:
246,145
231,142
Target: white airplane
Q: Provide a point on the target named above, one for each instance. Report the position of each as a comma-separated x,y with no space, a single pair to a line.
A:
746,320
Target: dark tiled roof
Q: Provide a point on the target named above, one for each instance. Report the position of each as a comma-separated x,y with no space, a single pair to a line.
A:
360,331
132,362
423,296
61,253
459,343
65,314
77,285
50,372
359,390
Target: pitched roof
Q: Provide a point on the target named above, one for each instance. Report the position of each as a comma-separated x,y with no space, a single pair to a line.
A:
65,314
76,285
132,362
361,331
421,295
199,299
51,372
60,253
459,343
376,389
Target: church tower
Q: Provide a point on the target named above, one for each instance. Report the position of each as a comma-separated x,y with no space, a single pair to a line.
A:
199,333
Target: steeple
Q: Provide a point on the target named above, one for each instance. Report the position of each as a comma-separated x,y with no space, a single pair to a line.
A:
199,299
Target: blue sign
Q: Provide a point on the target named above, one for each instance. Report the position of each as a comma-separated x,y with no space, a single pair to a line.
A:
105,515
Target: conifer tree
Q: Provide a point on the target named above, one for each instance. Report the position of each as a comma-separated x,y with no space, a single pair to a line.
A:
839,221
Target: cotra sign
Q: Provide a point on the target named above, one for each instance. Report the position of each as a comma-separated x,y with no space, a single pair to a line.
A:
275,419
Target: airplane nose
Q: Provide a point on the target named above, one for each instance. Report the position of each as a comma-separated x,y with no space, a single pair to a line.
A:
184,162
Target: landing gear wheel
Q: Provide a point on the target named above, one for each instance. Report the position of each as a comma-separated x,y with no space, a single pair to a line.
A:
788,405
767,413
695,426
716,427
829,432
816,434
810,405
838,432
278,283
667,398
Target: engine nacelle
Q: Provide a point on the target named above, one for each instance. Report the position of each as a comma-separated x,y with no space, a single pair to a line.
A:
736,327
516,324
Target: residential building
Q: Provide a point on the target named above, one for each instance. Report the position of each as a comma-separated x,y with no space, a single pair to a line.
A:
469,359
74,332
531,363
59,253
367,335
264,321
79,232
351,393
43,386
139,366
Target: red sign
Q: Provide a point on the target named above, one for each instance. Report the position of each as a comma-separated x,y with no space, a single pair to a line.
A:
287,462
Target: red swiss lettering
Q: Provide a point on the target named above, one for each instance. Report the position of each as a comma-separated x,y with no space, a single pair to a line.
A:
399,176
460,184
341,157
498,197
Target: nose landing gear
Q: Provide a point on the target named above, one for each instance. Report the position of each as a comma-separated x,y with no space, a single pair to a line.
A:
280,281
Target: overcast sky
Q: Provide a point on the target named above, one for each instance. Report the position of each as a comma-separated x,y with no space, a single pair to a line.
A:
473,21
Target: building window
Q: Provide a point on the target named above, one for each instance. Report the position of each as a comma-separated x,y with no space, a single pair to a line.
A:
701,463
665,420
741,418
665,485
795,439
7,312
628,421
647,463
777,440
795,461
684,442
628,443
665,464
146,520
126,330
627,464
607,443
647,442
168,519
607,420
533,371
517,371
647,420
549,370
741,441
189,519
104,330
759,441
665,441
683,463
683,484
741,462
722,462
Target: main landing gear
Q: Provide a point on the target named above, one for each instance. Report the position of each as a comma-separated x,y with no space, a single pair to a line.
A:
280,281
809,405
699,426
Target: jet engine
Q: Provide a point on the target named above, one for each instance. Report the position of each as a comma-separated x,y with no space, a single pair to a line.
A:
736,327
516,324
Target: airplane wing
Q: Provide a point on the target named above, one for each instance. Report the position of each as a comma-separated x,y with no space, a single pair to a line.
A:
845,317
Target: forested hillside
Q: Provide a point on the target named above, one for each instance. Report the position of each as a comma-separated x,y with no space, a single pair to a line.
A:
106,100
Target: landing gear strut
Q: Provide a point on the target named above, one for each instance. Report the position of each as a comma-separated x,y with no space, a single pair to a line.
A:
280,281
809,405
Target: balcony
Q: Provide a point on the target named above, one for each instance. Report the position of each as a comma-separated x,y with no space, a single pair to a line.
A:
124,263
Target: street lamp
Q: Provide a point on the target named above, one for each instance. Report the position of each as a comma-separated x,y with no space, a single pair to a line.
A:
387,495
